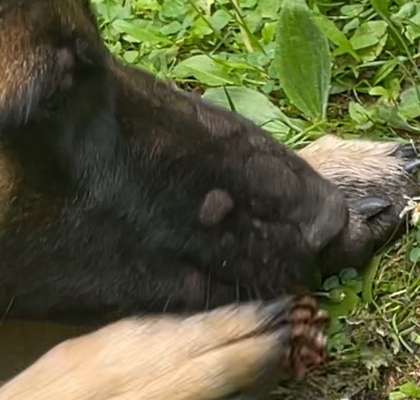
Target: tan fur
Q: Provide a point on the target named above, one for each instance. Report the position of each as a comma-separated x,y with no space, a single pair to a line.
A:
206,356
331,150
347,162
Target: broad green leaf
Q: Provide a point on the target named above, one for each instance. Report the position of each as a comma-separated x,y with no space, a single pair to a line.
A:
369,39
380,6
385,70
303,61
251,104
139,32
173,9
331,283
413,28
348,274
205,5
411,389
352,10
389,115
409,105
407,11
352,25
131,56
111,12
269,8
348,302
360,115
368,34
171,28
407,391
269,32
335,36
201,29
378,91
248,4
220,19
204,69
415,255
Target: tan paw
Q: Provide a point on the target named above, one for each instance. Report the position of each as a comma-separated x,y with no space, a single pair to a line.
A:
376,178
231,351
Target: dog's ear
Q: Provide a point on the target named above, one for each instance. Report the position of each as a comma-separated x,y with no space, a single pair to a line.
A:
43,43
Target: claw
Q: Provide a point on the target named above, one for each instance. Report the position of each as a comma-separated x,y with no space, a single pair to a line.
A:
277,312
371,206
407,151
412,166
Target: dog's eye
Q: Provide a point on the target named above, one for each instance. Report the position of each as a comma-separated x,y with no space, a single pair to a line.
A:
52,104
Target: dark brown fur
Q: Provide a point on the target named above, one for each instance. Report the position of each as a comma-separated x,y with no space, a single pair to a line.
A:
115,207
217,196
134,196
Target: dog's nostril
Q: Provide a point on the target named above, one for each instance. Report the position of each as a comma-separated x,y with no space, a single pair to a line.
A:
371,206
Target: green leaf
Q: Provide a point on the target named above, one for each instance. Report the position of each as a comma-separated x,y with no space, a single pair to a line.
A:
337,295
397,396
352,10
251,104
139,32
302,60
349,301
370,39
411,389
409,105
378,91
331,283
204,69
336,36
380,6
368,34
171,28
369,275
415,255
360,115
269,8
389,115
385,70
220,19
348,274
407,391
173,9
131,56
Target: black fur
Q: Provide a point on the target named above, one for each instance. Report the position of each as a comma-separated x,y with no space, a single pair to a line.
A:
113,218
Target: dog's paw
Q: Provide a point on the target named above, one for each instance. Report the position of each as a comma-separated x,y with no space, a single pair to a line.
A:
231,352
377,179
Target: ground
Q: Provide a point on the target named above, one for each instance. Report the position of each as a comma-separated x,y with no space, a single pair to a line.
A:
271,60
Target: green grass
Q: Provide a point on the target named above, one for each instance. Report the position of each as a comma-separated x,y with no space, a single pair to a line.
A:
253,56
